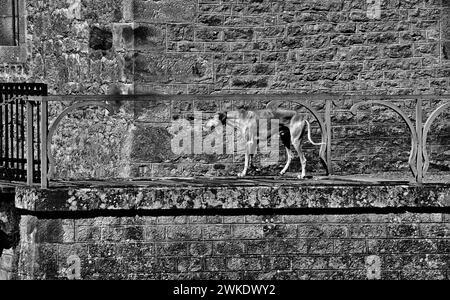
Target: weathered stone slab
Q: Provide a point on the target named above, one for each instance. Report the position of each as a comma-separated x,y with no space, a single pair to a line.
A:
232,194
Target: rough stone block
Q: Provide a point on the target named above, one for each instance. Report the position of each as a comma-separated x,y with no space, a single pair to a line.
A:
151,144
398,51
190,265
170,67
200,249
87,234
103,12
127,10
350,246
166,11
49,231
215,264
245,264
435,230
403,230
216,232
100,38
367,231
229,248
316,246
154,233
177,233
257,247
172,249
309,263
412,246
287,246
248,231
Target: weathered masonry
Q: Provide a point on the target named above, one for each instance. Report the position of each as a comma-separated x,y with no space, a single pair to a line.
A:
222,229
108,199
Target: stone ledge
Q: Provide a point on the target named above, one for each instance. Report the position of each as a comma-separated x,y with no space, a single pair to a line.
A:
232,194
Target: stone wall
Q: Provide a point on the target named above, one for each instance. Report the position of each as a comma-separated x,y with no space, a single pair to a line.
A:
259,46
232,47
300,46
343,246
228,231
223,47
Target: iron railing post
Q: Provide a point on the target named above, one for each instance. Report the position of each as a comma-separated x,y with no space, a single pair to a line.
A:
44,134
420,143
30,152
328,104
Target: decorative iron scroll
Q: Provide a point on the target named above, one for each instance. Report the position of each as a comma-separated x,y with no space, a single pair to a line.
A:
414,140
56,123
418,159
426,129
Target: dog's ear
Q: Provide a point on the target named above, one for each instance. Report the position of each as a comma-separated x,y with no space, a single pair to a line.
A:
223,117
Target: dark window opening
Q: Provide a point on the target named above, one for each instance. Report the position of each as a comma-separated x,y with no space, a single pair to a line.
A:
9,23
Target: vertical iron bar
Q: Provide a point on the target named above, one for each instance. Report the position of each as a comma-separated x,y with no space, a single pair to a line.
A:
23,139
19,133
1,127
12,164
44,133
30,152
17,141
12,138
328,105
419,130
6,134
38,135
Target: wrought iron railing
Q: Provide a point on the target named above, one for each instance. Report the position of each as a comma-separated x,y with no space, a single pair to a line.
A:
418,161
20,138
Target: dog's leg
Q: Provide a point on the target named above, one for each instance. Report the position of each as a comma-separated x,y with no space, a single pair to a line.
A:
297,137
248,146
288,161
246,163
301,155
302,161
250,151
286,140
250,135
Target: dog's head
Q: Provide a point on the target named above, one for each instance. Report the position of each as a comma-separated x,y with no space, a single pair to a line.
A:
218,119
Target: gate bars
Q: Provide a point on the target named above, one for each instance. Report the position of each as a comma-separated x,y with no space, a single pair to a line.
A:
19,138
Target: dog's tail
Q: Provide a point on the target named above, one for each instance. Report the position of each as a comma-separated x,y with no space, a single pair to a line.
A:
309,135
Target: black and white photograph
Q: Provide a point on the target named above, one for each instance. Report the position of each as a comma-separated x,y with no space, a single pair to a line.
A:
225,147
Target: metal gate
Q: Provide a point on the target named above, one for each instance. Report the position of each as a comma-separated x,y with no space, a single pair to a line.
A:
15,121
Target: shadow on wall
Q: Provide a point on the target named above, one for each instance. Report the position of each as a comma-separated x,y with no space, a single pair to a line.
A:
9,223
5,242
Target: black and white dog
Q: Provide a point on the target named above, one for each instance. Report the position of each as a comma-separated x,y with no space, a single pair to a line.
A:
292,127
